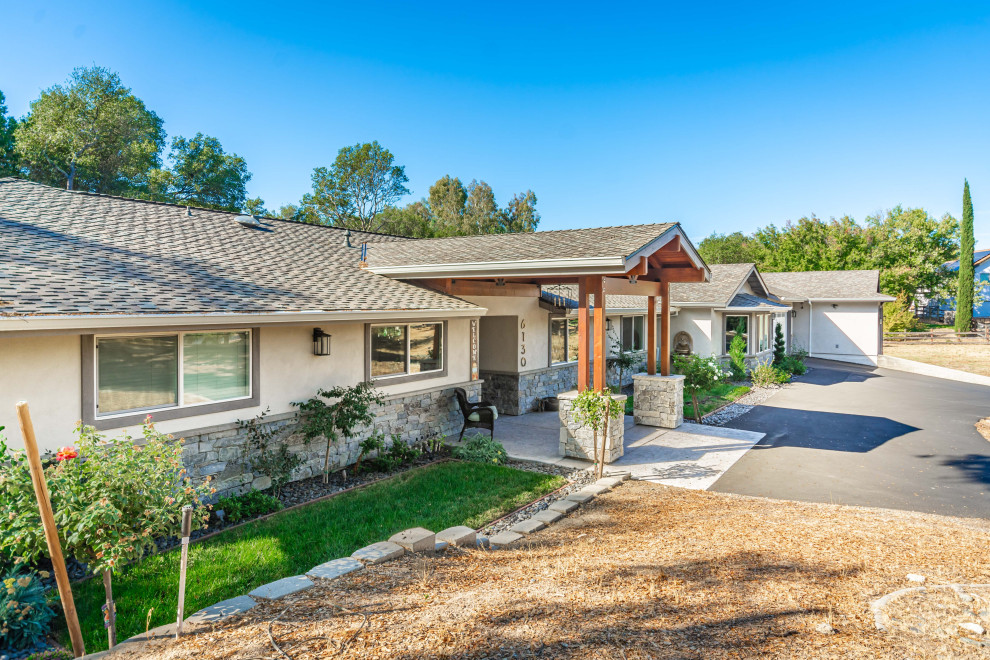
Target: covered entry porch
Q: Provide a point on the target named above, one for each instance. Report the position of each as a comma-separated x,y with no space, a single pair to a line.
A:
691,456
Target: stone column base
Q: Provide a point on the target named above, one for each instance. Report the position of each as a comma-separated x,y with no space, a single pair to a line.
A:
658,400
577,440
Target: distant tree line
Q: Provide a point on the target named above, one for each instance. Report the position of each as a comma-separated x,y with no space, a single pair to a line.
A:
93,134
908,246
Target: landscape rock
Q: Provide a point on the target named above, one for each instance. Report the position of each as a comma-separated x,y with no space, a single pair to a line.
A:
825,629
914,577
974,628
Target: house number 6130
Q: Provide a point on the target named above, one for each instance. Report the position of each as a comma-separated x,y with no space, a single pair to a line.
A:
522,343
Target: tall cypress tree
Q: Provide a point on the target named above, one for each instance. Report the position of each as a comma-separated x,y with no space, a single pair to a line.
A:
964,297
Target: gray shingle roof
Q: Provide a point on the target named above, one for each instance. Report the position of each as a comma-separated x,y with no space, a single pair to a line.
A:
749,300
826,285
535,246
726,280
66,252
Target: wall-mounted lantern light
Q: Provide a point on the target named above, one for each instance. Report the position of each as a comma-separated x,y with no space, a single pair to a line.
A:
321,342
793,313
608,324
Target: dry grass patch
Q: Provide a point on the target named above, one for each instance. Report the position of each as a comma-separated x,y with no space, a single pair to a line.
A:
644,571
974,358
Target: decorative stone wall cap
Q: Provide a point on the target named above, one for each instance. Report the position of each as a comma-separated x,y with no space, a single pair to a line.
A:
570,395
645,376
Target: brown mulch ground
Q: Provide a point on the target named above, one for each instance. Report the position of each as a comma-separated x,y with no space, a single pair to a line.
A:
643,571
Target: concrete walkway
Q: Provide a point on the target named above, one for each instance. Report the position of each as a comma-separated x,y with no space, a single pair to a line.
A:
692,456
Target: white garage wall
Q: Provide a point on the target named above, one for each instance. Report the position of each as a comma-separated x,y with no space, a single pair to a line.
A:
845,331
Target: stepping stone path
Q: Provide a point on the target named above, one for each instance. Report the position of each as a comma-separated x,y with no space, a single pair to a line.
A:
563,506
335,569
416,539
376,553
460,535
548,517
502,539
580,497
527,526
595,489
281,588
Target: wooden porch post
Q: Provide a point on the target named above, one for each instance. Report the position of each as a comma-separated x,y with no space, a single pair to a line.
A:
598,288
664,328
651,335
583,322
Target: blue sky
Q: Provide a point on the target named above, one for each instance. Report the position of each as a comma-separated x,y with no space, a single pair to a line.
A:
721,117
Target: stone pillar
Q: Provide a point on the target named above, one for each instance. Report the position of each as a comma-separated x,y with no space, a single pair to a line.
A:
658,400
577,440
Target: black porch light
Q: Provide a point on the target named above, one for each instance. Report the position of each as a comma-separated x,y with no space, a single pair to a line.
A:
321,342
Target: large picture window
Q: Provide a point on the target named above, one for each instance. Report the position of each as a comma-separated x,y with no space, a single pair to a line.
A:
736,326
406,349
633,333
564,346
150,372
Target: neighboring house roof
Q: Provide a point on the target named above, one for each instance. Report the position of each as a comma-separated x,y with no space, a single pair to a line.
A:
727,280
852,285
749,301
70,253
979,257
599,250
566,295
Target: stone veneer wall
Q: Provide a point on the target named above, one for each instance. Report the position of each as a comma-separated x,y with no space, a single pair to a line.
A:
517,394
577,440
658,400
220,450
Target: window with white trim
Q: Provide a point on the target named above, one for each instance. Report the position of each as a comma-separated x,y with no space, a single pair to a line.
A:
406,348
633,333
564,344
736,326
763,323
185,369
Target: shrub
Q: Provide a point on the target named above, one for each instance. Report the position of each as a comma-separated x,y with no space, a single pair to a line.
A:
398,454
700,375
375,442
349,409
111,499
765,374
482,449
24,611
737,357
898,318
248,505
779,346
262,456
595,410
793,365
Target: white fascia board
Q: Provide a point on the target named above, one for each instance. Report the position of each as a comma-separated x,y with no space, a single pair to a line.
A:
75,322
662,240
742,310
879,298
693,304
517,268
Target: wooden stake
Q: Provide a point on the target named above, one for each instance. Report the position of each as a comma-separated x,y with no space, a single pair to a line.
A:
51,532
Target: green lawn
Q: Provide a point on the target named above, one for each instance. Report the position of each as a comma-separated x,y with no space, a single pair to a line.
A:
292,542
716,397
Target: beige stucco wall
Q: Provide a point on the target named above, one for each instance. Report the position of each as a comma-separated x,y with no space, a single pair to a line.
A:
700,324
530,339
46,371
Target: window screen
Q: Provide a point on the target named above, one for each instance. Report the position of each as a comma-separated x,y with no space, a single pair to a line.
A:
137,372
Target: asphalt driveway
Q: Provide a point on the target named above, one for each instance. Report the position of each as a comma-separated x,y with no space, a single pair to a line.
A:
869,437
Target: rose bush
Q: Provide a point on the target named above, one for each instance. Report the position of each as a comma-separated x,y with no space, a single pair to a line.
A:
111,498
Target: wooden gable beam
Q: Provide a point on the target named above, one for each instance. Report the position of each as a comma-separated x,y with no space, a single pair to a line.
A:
682,275
623,287
483,288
